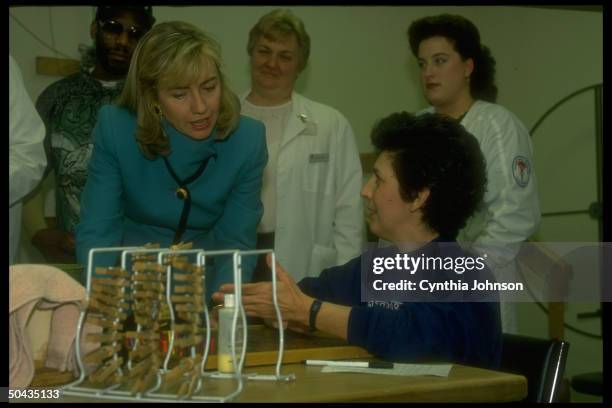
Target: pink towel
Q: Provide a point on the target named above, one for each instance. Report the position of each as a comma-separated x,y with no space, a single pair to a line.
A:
44,287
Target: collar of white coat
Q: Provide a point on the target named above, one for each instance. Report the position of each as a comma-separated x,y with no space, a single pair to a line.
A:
476,106
300,121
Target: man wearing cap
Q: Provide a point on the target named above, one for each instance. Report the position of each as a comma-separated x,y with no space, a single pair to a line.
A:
69,109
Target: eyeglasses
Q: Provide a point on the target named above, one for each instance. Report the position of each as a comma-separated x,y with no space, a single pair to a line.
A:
116,28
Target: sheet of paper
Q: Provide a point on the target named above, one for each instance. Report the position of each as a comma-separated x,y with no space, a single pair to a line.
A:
438,370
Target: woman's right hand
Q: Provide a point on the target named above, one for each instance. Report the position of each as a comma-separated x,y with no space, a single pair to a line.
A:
57,246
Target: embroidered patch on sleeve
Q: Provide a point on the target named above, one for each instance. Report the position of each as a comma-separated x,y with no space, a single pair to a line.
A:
521,170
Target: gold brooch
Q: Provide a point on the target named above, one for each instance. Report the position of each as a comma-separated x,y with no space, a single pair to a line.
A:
182,193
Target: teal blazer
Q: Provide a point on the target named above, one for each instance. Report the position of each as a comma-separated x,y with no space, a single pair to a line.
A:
130,200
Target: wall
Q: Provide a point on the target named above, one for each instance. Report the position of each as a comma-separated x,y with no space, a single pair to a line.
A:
361,64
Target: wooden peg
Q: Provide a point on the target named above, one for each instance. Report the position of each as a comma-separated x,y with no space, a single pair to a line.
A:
149,286
181,245
101,354
189,317
142,383
196,290
192,383
186,328
110,282
105,371
117,379
145,335
109,324
140,367
185,265
116,272
186,277
147,277
104,337
189,307
144,350
144,309
176,373
109,291
109,311
172,259
149,294
188,341
151,267
182,389
196,300
144,321
111,301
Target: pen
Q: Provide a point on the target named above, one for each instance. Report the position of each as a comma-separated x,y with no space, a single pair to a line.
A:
362,364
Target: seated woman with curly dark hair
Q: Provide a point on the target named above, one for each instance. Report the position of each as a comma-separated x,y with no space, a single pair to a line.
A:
428,179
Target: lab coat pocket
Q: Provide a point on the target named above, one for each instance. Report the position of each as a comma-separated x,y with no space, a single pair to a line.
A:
322,257
316,176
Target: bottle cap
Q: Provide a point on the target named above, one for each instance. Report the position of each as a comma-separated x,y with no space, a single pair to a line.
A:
229,300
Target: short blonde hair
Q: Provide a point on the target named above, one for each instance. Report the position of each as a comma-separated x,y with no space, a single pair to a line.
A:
175,53
281,23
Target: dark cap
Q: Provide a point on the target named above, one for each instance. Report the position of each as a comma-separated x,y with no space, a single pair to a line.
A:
146,12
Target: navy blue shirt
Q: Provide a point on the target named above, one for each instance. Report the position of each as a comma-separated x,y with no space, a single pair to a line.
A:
465,332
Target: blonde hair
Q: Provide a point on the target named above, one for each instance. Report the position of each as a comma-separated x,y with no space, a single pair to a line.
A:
175,53
281,23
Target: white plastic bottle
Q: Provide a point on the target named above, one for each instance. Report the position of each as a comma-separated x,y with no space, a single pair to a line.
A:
225,362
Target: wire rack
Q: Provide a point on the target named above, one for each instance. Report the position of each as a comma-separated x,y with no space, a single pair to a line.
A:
156,287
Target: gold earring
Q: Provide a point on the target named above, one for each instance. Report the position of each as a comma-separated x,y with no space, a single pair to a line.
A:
158,110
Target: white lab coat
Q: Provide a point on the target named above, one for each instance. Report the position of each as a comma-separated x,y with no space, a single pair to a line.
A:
511,210
27,159
319,216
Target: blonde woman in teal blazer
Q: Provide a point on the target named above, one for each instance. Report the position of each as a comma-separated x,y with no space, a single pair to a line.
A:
174,161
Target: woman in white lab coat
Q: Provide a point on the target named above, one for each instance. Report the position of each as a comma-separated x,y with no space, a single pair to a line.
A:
458,79
312,209
27,159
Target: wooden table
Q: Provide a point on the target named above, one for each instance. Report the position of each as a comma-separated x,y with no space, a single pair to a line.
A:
464,384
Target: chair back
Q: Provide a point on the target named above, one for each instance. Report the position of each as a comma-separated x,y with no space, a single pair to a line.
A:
541,361
537,260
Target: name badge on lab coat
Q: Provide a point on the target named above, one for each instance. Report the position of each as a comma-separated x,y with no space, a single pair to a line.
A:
319,158
310,129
